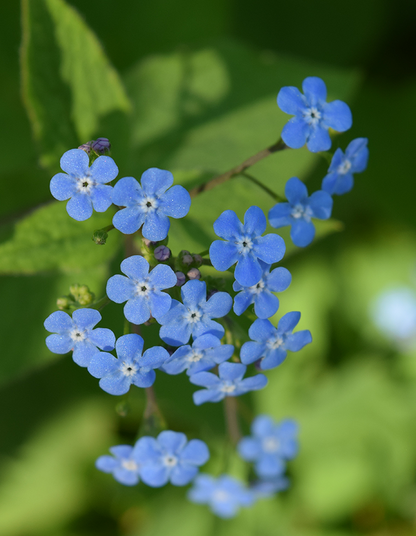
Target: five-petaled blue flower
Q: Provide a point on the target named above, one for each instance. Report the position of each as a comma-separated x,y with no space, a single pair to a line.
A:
313,115
206,352
77,334
150,204
131,367
169,457
84,186
229,383
271,344
142,289
124,464
299,211
339,179
193,317
270,445
244,245
224,495
265,303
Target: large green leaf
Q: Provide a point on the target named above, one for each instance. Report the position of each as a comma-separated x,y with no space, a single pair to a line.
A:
68,83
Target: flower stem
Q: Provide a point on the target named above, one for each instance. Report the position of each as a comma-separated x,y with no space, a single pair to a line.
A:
231,417
272,194
237,170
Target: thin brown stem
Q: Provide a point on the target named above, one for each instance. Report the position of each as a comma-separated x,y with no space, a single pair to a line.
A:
237,170
231,417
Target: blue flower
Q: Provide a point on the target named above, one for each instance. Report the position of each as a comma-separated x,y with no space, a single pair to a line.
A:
206,352
84,187
123,465
339,179
270,446
265,303
229,383
170,458
194,316
150,204
244,245
77,334
142,289
130,368
263,489
272,343
393,311
313,116
224,495
299,211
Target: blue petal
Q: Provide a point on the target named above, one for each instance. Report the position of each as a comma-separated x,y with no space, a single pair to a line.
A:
357,153
58,322
176,333
156,226
122,451
270,248
86,318
269,466
314,89
265,305
127,192
251,352
298,340
337,160
159,303
83,353
223,255
75,162
302,233
207,341
261,330
154,357
337,115
126,477
262,426
102,364
156,181
176,202
249,448
295,191
79,207
128,220
115,384
279,279
248,271
162,277
171,442
241,301
228,226
321,205
137,310
253,384
273,359
120,289
101,197
107,464
218,305
205,379
231,371
174,315
255,221
290,100
59,344
207,395
155,475
331,181
343,185
183,475
280,215
207,327
104,170
204,486
136,267
295,132
129,346
104,338
62,186
146,450
194,293
319,140
144,379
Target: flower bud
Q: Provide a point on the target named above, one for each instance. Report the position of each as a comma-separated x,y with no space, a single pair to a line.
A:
187,259
180,276
162,253
86,147
100,237
63,303
197,260
148,243
101,145
194,273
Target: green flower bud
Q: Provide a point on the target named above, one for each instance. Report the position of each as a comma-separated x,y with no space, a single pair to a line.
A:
100,237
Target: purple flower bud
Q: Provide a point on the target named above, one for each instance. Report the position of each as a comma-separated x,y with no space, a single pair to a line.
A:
101,145
148,243
194,273
86,147
162,253
180,278
197,260
187,259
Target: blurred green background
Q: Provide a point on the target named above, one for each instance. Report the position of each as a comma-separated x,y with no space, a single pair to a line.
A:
191,87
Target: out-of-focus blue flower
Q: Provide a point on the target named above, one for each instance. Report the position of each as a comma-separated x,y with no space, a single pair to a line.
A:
77,334
299,211
339,179
193,317
229,383
224,495
270,445
150,204
141,289
84,186
124,465
263,489
244,245
206,352
131,367
265,303
272,344
170,458
393,311
313,115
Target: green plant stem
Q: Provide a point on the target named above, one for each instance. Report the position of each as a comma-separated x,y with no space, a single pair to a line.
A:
204,253
237,170
272,194
231,418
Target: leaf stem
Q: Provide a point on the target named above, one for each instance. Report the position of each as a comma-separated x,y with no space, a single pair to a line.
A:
272,194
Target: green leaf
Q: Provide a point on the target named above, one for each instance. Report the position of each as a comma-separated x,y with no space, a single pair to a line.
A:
48,239
68,83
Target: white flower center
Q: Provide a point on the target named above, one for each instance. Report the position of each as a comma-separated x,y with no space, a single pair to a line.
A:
149,204
270,444
257,289
170,461
300,211
228,388
128,369
312,115
85,185
344,167
142,289
195,356
77,335
275,343
220,495
244,244
130,465
192,316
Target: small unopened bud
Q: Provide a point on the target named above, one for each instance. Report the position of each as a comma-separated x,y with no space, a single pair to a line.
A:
82,294
180,279
162,253
194,273
148,243
63,303
100,237
197,260
101,145
86,147
123,408
187,259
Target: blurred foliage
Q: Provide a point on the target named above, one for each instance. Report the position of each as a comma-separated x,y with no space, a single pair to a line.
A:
191,87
